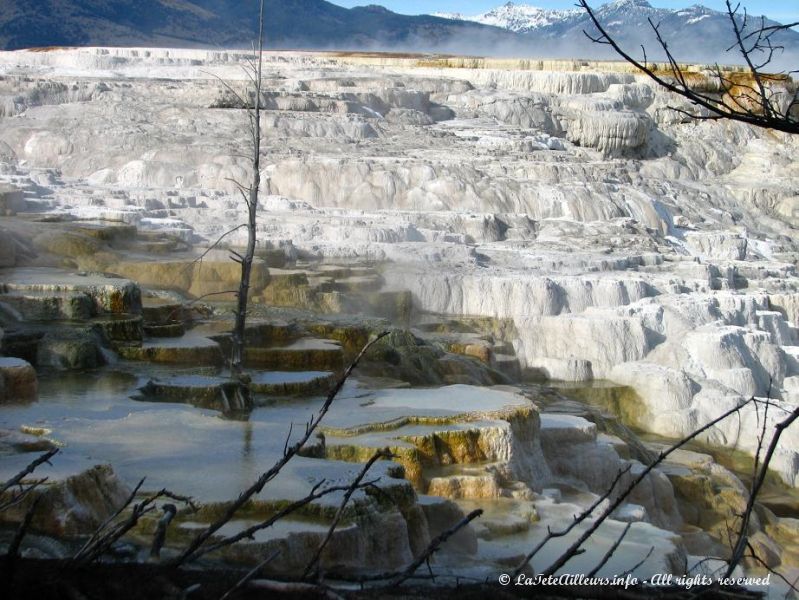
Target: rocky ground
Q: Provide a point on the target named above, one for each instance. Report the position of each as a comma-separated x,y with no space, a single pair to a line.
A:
510,225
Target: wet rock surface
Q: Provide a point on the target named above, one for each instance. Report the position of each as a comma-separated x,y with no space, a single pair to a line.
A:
74,506
504,225
18,381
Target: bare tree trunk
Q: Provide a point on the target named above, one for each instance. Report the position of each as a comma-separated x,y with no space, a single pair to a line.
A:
237,355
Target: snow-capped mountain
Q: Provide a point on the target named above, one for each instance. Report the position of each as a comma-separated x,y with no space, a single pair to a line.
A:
519,18
694,33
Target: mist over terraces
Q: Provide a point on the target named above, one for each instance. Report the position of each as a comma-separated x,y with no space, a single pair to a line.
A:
572,275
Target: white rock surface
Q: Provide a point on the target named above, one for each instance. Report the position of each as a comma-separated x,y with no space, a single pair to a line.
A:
624,240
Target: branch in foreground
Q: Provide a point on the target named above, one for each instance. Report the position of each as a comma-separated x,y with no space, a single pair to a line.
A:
17,479
576,521
13,549
740,546
356,484
610,551
252,573
103,539
194,548
281,514
770,119
434,545
612,506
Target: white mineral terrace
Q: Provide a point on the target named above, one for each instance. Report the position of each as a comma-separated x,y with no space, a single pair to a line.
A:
621,241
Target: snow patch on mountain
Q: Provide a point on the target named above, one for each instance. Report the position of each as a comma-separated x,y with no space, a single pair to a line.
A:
520,18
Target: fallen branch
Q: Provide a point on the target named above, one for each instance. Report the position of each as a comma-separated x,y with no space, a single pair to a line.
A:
252,573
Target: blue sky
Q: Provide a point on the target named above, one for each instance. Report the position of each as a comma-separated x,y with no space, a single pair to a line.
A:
780,10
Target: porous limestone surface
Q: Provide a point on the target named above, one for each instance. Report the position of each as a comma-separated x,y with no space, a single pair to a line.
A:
623,239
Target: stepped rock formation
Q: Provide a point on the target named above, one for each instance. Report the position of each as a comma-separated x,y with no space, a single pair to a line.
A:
516,224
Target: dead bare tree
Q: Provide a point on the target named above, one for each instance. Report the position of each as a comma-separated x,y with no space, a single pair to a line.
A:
250,195
250,100
756,96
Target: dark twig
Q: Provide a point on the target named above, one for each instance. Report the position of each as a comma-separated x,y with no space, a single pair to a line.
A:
250,574
741,543
434,545
250,532
17,497
101,529
632,569
575,521
107,535
354,485
17,479
193,549
610,551
759,96
612,506
13,548
200,258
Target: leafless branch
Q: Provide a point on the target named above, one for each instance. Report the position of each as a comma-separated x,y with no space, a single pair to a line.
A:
22,530
639,563
17,479
612,506
759,96
193,549
575,521
610,551
101,529
434,545
354,485
212,246
250,574
741,543
108,534
250,532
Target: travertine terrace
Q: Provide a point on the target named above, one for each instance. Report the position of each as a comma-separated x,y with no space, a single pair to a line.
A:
530,221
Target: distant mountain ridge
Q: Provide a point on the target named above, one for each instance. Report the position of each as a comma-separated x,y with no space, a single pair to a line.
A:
224,23
695,33
519,18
